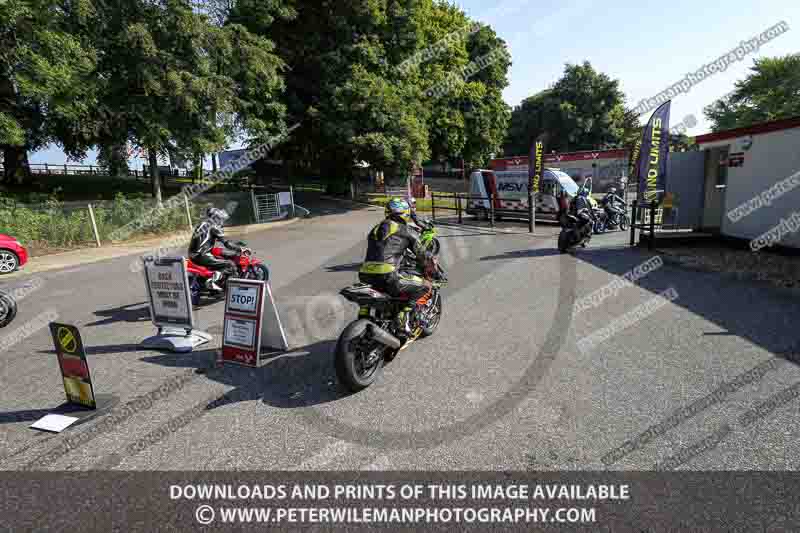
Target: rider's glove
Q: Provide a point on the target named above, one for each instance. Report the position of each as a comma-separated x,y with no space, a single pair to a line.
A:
431,269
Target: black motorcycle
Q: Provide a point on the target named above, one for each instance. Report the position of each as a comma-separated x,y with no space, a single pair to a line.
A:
8,309
574,234
372,340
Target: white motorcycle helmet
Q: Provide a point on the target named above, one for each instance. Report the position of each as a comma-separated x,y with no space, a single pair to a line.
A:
412,203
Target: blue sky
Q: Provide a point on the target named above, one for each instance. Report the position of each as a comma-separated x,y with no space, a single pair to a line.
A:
648,46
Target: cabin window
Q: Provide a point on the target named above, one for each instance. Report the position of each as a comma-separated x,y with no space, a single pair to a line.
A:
722,173
548,187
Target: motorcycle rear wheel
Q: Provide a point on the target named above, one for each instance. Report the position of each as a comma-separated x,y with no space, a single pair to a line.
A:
600,227
352,350
8,309
194,290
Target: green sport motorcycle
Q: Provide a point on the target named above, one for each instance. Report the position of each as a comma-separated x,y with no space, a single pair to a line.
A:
428,235
371,340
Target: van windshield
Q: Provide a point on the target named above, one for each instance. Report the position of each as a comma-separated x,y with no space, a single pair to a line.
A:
566,182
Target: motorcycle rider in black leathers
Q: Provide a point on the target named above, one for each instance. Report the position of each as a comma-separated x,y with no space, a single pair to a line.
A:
204,238
386,246
419,222
582,209
609,202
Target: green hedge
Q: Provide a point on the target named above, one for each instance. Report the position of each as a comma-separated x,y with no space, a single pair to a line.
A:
422,204
54,225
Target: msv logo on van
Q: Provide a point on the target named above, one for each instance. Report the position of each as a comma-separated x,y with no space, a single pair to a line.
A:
510,186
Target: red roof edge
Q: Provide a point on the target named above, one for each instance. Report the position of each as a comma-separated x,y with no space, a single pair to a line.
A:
755,129
584,155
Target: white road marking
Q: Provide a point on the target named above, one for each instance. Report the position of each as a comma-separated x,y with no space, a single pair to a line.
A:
63,293
68,271
474,397
381,464
327,455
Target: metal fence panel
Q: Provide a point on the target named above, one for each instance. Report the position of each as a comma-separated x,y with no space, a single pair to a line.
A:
267,207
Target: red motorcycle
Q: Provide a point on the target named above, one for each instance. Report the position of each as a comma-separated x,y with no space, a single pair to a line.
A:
199,276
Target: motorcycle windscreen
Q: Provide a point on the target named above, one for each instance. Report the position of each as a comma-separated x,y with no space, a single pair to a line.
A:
478,189
567,183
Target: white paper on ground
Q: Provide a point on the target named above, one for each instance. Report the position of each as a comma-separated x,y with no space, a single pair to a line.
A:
54,423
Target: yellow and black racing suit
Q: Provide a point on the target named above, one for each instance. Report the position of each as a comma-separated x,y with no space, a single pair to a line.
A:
386,246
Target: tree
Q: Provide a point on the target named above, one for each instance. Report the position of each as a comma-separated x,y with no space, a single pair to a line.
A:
114,158
185,77
463,81
470,119
46,83
344,83
680,142
770,92
341,85
173,83
583,110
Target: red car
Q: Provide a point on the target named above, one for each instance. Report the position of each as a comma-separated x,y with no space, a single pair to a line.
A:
12,254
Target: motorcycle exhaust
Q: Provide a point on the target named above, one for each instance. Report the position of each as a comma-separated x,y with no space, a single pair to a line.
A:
384,337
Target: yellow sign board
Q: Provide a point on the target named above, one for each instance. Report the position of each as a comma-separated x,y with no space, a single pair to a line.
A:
73,364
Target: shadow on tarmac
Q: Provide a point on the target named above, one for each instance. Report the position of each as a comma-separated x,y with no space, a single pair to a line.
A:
347,267
124,313
303,377
103,349
538,252
756,311
104,404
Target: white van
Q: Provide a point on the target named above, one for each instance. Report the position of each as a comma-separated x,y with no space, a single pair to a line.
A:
510,189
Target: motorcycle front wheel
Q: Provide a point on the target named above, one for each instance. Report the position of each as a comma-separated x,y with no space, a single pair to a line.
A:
258,272
434,317
624,222
8,309
563,241
358,360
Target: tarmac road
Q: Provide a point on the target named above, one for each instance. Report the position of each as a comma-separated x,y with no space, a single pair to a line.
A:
503,385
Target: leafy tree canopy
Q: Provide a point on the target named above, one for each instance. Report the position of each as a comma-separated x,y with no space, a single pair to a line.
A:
770,92
583,110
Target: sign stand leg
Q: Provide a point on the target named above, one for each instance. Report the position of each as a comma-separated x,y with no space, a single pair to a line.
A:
105,402
176,340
